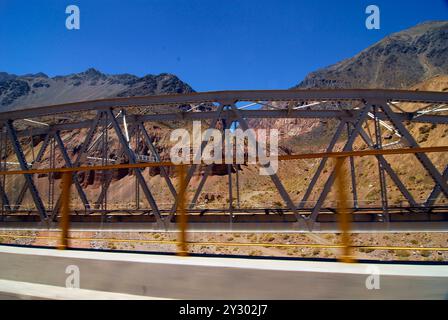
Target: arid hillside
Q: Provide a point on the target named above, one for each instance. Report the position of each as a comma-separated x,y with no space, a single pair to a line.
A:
401,60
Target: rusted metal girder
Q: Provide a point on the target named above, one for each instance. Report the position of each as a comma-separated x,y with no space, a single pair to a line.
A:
225,109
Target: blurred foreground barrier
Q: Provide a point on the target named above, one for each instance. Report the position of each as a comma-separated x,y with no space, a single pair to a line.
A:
223,278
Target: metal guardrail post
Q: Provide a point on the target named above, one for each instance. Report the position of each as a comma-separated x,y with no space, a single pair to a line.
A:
181,212
343,211
65,209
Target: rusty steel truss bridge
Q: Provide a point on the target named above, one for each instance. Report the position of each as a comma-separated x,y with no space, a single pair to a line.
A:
125,118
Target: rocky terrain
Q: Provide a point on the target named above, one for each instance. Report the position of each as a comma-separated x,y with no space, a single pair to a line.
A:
400,60
33,90
264,244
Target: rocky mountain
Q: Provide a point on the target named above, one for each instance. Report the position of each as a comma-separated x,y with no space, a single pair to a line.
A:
400,60
32,90
408,59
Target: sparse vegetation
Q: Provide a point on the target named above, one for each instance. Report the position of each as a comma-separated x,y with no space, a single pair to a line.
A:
403,254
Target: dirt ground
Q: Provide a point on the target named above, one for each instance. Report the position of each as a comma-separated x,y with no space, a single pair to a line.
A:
238,243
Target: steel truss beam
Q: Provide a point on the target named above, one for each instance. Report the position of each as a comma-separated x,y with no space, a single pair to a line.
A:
138,172
6,206
423,158
348,147
109,177
390,171
5,200
321,166
232,97
254,114
207,171
382,178
227,125
149,143
353,174
373,99
81,153
37,160
436,191
24,166
193,167
274,177
69,164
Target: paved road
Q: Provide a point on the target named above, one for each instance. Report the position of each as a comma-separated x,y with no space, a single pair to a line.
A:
221,278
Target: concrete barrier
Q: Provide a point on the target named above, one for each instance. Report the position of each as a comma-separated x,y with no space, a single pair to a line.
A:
222,278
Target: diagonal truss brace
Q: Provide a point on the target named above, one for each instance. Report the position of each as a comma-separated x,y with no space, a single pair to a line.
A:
150,145
436,191
207,172
138,171
352,173
109,177
390,171
24,166
69,164
193,167
274,177
84,147
348,146
322,164
39,157
5,200
423,158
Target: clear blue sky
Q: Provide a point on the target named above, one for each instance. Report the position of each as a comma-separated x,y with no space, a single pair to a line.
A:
210,44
